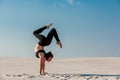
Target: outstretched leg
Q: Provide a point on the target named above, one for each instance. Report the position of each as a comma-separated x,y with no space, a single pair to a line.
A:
51,34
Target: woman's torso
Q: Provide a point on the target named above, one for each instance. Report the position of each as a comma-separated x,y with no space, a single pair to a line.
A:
38,47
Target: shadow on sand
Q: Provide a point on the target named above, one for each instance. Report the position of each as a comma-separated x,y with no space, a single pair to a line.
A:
99,74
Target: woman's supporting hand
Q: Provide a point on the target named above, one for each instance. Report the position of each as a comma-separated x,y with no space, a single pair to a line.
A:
43,73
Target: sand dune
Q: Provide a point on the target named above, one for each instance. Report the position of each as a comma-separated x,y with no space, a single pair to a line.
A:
60,69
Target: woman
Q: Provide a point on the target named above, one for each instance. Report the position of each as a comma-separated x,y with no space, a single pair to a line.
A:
45,41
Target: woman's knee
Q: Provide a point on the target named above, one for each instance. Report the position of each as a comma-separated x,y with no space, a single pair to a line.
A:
53,30
34,32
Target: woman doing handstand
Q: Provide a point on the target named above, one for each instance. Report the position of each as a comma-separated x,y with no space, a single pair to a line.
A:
45,41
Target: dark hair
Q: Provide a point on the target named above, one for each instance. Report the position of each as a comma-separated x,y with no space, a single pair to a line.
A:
49,54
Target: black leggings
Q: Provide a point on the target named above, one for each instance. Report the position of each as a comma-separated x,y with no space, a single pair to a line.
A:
45,41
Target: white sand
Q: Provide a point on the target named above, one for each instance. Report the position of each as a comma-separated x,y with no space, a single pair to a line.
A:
60,69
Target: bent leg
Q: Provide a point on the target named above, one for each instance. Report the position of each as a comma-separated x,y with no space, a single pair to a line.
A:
52,33
37,35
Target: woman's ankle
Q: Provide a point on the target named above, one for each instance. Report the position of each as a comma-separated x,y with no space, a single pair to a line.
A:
48,25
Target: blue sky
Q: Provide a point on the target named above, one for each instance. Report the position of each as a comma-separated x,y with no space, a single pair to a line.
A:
87,28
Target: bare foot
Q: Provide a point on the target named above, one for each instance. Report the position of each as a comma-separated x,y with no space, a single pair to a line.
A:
60,44
48,25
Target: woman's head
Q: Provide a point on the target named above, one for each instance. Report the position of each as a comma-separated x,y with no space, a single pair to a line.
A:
49,56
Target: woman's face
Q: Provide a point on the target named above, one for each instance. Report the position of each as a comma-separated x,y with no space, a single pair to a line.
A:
49,59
